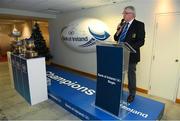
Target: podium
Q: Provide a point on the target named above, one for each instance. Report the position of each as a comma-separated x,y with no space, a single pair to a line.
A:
112,64
28,77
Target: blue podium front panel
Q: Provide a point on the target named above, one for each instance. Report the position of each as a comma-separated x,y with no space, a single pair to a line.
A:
109,78
77,95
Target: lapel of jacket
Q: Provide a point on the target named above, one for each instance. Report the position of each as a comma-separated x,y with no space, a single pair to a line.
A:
131,26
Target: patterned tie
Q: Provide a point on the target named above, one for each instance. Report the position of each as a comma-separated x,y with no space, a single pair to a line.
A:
123,33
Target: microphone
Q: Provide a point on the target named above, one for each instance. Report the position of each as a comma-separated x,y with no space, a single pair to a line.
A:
121,24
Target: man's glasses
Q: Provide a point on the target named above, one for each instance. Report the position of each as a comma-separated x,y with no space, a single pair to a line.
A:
127,13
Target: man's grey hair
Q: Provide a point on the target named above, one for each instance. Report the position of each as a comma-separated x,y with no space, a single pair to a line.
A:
132,9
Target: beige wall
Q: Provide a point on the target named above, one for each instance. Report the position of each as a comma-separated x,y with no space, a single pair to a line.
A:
26,29
4,38
45,33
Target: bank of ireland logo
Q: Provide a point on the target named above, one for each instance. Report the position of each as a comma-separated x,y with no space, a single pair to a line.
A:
82,34
96,37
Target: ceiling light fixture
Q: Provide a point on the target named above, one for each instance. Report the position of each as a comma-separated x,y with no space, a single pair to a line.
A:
54,11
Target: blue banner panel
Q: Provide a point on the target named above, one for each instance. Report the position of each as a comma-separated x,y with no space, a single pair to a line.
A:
109,78
25,82
15,72
19,77
77,95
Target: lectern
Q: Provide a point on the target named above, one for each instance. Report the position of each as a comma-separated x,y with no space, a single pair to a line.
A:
112,63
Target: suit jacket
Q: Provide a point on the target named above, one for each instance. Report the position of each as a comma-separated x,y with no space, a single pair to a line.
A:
135,37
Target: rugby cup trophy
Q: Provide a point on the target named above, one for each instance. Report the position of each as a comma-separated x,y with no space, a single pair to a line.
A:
30,49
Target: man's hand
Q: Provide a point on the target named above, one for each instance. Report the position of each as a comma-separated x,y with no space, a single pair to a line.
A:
119,27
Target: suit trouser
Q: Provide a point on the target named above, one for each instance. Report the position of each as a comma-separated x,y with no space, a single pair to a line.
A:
132,78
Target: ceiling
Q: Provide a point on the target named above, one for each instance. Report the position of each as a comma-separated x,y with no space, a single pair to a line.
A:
55,6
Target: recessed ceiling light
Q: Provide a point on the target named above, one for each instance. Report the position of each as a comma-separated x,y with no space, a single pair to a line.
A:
53,11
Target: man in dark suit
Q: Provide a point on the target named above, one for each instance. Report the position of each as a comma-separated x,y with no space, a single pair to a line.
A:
133,32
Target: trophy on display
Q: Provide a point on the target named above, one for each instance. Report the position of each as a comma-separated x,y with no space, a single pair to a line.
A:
30,46
24,47
16,43
23,53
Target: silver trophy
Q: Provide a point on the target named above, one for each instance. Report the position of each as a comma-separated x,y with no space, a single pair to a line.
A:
16,43
30,49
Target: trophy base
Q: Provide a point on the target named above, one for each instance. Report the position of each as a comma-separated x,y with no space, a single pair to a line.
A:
31,54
